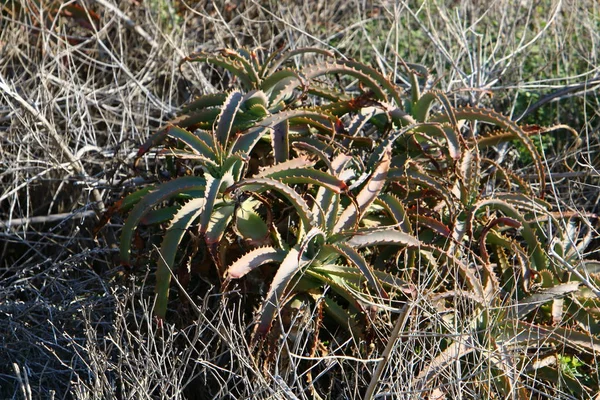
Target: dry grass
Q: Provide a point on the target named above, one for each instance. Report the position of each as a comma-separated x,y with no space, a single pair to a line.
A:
80,92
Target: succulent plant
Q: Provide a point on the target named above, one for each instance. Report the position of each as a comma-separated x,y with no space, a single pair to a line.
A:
353,188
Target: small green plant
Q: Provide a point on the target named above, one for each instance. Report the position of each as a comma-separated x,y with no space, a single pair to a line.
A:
359,196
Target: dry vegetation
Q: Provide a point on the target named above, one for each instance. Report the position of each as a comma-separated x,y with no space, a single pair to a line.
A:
83,84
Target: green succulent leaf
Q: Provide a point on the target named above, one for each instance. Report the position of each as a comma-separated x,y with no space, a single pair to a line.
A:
247,59
213,187
422,106
245,143
219,221
205,101
492,117
276,78
248,223
286,56
281,86
291,264
133,198
395,208
453,140
236,66
530,303
186,215
525,202
351,215
382,237
386,145
255,98
521,333
346,286
321,155
226,118
326,206
334,95
469,170
422,178
259,185
159,216
307,176
355,129
198,119
188,155
535,249
254,259
368,76
195,143
151,199
356,259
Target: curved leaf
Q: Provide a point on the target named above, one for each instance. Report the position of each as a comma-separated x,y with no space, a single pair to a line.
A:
205,101
290,265
535,249
226,117
212,190
530,303
261,184
395,208
245,143
351,215
303,50
133,198
367,76
308,176
322,156
356,259
219,221
386,145
500,120
422,106
453,140
254,259
192,141
247,60
161,193
236,67
203,119
186,215
249,224
387,236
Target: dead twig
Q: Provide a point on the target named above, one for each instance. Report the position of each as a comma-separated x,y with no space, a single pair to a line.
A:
45,219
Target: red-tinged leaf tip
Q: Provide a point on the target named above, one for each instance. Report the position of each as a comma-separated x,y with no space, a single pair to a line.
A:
159,322
339,126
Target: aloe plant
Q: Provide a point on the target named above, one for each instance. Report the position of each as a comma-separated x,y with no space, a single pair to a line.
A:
223,156
323,253
352,194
